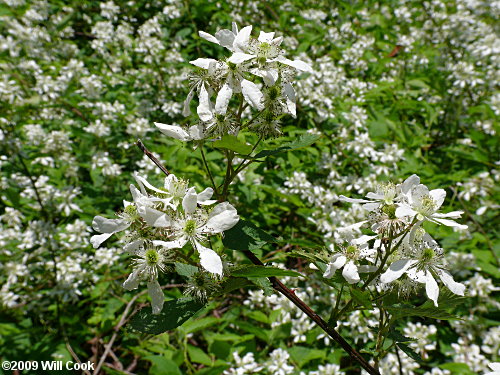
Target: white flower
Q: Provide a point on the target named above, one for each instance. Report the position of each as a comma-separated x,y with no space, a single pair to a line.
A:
348,257
424,262
495,366
194,224
194,133
423,204
147,265
233,40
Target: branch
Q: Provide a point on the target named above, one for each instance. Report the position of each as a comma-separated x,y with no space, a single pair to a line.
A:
150,155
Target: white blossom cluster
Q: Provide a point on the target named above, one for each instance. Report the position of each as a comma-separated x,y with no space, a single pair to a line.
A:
162,220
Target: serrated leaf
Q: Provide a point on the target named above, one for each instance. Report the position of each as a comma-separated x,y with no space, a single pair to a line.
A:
230,142
398,337
409,352
303,141
186,270
174,314
263,283
363,298
263,271
246,236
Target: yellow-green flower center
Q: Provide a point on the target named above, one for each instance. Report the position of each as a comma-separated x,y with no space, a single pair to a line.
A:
390,211
427,255
190,227
152,257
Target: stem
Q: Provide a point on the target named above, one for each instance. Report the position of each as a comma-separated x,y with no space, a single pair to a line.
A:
280,287
208,170
150,155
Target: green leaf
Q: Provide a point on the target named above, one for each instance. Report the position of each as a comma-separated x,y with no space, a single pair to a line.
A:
246,236
457,368
363,298
230,142
263,271
199,356
301,355
303,141
186,270
234,283
162,366
174,313
409,352
263,283
398,337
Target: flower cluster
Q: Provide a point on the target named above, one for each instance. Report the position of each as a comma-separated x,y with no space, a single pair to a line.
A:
162,221
257,71
396,214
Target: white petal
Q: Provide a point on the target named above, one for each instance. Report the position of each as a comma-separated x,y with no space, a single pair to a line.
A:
337,261
367,268
350,273
447,279
221,218
136,194
133,246
132,281
495,366
405,210
408,184
154,217
363,239
438,195
203,63
197,132
103,225
204,108
208,37
266,37
98,239
209,259
431,288
234,27
186,111
225,38
223,97
173,131
396,270
240,43
143,181
157,296
239,57
177,244
189,201
291,107
352,200
252,94
452,214
297,64
450,223
371,206
205,195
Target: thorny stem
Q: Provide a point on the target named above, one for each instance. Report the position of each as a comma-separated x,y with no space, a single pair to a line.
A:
281,288
150,155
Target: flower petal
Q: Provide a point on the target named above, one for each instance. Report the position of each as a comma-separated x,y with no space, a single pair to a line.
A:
157,296
408,184
350,273
438,195
405,210
396,270
431,288
173,131
452,214
133,246
204,108
352,200
239,57
451,284
252,94
240,43
203,63
223,97
177,244
223,217
98,239
225,38
297,64
189,201
337,261
154,217
186,111
205,195
450,223
208,37
103,225
209,259
132,281
266,37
